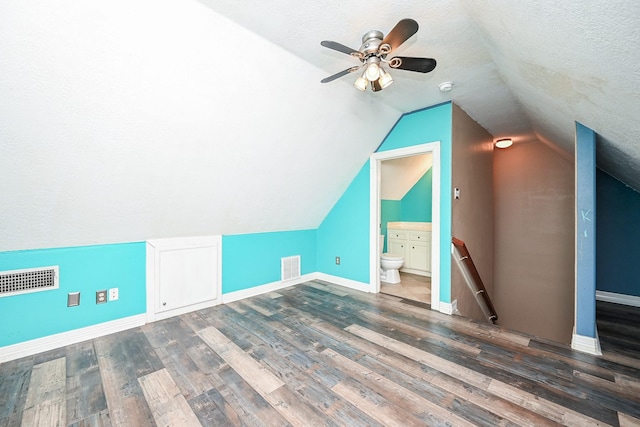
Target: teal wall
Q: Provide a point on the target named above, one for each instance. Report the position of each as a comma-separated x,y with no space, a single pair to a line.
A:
84,269
416,204
250,260
247,260
345,230
617,266
345,233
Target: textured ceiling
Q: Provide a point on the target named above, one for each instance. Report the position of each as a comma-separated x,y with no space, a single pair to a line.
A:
398,176
523,69
127,120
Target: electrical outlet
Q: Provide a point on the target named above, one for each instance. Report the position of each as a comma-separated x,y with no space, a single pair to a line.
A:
337,260
101,297
113,294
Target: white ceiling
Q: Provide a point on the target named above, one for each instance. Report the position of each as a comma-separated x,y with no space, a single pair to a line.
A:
134,119
523,69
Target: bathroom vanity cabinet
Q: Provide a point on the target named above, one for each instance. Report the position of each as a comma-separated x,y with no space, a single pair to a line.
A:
414,245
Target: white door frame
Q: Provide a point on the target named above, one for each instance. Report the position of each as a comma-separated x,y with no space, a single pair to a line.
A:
374,215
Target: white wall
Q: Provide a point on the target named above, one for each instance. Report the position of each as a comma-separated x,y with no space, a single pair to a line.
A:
127,120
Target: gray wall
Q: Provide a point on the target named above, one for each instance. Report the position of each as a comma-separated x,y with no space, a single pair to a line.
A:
534,240
472,214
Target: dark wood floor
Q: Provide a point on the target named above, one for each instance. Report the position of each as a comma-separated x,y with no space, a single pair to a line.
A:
619,328
318,354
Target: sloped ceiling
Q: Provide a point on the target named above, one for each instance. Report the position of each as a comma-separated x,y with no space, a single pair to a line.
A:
398,176
127,120
528,70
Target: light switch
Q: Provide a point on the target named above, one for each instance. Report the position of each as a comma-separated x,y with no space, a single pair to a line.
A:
73,299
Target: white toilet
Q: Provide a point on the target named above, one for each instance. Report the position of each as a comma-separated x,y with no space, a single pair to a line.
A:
389,265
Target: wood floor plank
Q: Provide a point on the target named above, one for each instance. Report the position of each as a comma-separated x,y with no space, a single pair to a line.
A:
321,354
619,390
375,405
553,411
488,401
118,359
422,333
630,383
168,406
478,380
46,403
252,372
525,399
232,397
85,395
628,421
270,387
14,383
400,396
171,339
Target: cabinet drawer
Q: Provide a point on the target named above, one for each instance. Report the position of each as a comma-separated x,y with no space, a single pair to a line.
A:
396,234
419,236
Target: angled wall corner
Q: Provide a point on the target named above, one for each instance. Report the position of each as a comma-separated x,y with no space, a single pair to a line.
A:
585,250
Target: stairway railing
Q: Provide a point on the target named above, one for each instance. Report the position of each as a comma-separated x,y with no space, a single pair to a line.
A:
472,277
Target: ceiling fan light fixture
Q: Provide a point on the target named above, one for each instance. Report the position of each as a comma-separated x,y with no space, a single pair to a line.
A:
361,83
504,143
385,79
372,72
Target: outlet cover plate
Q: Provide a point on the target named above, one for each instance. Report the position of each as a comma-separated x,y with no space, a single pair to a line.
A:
113,294
101,297
73,299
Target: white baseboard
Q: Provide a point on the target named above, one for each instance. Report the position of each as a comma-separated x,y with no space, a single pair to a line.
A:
27,348
341,281
266,288
586,344
447,307
51,342
631,300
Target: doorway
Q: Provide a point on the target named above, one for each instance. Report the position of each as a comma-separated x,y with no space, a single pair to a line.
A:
432,148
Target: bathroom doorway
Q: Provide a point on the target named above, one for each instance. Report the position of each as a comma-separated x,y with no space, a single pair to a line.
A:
376,226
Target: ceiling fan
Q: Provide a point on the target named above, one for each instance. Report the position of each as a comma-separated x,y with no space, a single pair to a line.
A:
373,54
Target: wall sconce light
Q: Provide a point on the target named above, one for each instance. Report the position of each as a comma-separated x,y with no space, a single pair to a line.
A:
504,143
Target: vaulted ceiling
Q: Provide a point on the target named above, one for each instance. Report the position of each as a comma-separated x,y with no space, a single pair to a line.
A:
127,120
521,69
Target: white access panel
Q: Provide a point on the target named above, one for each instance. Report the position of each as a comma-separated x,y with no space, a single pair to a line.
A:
183,275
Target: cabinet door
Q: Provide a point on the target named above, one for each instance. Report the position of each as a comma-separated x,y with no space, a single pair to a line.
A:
419,256
396,247
186,276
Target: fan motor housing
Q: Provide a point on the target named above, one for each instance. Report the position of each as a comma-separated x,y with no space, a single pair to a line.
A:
371,42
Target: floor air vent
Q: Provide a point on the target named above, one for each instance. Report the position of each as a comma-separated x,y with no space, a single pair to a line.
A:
290,267
16,282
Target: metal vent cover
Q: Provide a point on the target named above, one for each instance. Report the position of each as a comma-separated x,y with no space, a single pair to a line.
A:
290,267
15,282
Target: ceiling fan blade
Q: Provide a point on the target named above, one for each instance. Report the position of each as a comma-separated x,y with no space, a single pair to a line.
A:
401,33
375,86
340,48
421,65
340,74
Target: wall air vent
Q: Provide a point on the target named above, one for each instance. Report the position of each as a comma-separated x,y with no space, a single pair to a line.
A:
15,282
290,267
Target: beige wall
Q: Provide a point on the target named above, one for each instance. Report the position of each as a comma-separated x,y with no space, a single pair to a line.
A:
534,240
472,214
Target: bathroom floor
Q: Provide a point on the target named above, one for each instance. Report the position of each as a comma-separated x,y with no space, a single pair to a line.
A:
411,286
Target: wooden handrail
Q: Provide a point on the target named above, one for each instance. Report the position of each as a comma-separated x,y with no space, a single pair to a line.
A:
474,282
